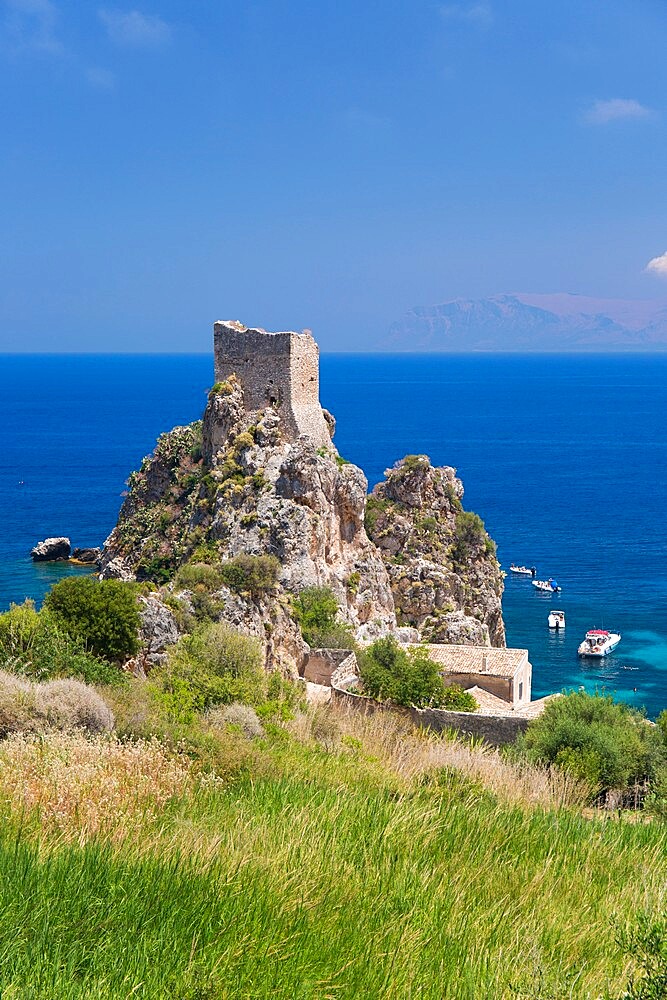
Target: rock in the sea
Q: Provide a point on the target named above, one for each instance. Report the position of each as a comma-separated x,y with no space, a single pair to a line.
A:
52,550
91,556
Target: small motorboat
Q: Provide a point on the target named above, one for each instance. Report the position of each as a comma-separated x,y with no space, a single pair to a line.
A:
548,586
524,570
599,642
557,619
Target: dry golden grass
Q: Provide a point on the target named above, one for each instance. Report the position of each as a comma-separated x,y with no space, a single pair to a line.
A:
79,788
412,753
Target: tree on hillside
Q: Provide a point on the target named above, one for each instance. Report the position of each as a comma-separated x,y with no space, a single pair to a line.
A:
408,677
103,613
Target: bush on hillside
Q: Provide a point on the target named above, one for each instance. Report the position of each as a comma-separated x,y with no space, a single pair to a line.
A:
103,613
316,610
606,743
198,574
403,676
29,707
250,574
242,717
202,580
470,538
458,700
214,665
37,644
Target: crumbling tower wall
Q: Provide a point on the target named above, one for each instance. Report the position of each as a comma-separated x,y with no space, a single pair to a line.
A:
274,369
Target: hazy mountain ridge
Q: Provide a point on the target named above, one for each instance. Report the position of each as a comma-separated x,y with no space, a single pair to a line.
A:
531,322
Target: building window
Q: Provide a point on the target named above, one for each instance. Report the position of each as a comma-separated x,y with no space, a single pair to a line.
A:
520,690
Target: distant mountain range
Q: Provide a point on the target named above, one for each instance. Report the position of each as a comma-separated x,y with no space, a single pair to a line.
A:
527,322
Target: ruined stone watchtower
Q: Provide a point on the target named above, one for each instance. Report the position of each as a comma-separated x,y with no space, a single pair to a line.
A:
274,369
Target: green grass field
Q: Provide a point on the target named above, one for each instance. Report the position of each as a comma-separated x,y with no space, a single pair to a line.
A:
342,859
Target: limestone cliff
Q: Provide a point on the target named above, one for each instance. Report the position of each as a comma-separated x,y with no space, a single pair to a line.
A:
248,480
226,486
443,568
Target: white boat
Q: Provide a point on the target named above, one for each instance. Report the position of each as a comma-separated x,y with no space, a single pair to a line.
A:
599,642
549,586
557,619
525,570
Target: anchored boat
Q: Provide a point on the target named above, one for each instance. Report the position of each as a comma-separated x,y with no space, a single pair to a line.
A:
557,619
599,642
524,570
549,586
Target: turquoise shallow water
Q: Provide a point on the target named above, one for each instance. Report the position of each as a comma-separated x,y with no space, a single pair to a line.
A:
563,457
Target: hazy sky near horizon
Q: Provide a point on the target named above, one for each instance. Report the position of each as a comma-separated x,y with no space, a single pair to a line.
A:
325,165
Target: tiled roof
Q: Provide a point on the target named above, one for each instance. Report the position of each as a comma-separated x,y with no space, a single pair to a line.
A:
535,708
488,703
477,659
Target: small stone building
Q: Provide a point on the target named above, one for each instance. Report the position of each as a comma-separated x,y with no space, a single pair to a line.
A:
504,673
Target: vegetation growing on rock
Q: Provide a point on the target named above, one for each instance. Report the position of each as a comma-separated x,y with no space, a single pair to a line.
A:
444,573
318,613
250,574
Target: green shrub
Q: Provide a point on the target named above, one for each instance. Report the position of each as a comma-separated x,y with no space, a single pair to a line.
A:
243,441
103,613
458,700
606,743
220,389
206,552
251,574
375,507
159,569
645,944
214,665
198,574
403,676
37,645
316,610
411,463
470,537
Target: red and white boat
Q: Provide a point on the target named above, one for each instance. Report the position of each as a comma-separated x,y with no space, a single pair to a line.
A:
599,642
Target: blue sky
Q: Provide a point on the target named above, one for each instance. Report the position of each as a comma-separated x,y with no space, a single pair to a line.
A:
323,165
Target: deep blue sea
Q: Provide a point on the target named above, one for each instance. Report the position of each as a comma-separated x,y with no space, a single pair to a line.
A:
563,457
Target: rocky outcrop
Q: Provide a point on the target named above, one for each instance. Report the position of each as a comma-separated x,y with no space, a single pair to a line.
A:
215,490
242,483
166,501
158,629
444,573
52,550
86,556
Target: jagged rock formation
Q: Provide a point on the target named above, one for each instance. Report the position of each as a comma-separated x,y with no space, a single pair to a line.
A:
89,555
444,573
250,479
52,550
215,490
